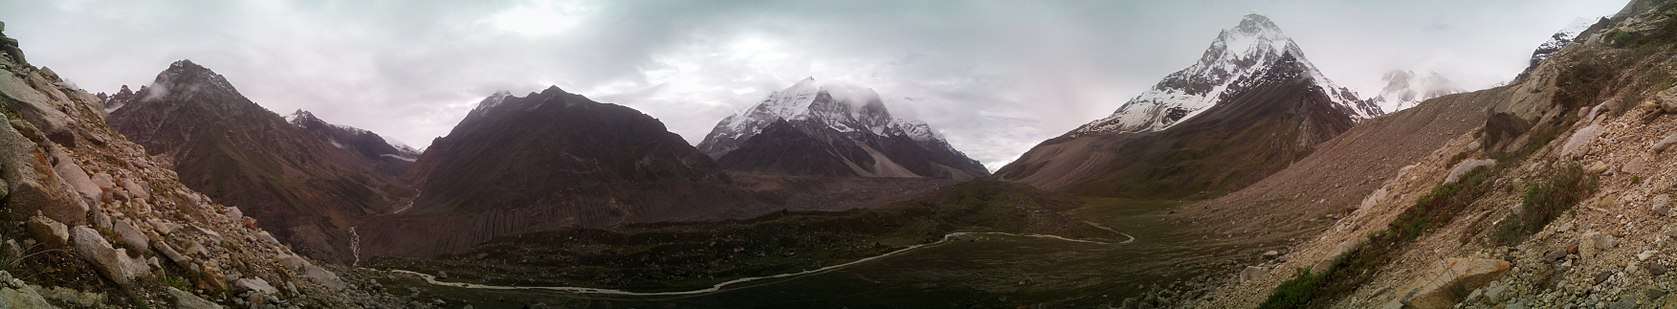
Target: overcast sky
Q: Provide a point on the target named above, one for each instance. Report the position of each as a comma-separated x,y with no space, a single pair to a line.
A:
995,77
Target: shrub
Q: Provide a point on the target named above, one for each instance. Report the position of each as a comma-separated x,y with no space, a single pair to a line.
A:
1544,201
1296,292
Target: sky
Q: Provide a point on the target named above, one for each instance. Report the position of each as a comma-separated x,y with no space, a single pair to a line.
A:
994,77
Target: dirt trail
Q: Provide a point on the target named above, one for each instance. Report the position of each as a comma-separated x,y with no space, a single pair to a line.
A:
741,282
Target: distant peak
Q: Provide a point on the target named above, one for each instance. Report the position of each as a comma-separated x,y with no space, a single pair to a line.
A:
1257,25
185,64
301,117
553,89
1256,20
300,113
185,72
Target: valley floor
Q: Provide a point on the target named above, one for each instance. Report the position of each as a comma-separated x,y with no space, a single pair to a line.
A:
1140,246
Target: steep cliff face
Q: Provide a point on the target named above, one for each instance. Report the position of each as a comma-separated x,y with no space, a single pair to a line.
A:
90,214
1277,115
303,188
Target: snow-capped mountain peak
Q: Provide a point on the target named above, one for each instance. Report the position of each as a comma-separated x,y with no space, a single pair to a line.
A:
1248,49
1406,88
843,107
1561,39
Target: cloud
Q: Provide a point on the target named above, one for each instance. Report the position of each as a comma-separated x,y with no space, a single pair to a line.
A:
994,77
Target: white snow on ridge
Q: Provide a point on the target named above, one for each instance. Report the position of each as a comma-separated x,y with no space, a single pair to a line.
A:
796,103
1249,48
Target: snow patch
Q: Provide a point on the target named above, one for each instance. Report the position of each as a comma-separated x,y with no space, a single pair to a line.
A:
399,157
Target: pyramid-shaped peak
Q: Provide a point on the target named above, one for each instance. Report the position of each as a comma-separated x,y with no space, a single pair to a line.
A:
186,72
552,90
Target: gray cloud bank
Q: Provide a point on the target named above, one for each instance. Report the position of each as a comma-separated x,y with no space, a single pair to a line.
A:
995,77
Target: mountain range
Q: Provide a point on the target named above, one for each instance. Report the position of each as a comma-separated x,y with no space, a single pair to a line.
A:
833,129
305,187
1246,179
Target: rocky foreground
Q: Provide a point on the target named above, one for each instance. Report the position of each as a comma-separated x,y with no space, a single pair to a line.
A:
87,219
1562,198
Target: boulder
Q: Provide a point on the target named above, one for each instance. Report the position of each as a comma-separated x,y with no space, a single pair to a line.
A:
49,232
313,272
32,184
1664,143
135,189
1593,243
12,251
23,297
211,278
1667,100
101,221
74,176
1466,166
1660,204
114,264
1575,144
1252,273
185,300
255,285
105,182
1452,283
169,252
324,277
1596,168
131,237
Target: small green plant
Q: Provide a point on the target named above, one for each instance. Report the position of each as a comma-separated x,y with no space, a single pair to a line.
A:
1620,38
1296,292
9,263
1544,201
1350,270
177,282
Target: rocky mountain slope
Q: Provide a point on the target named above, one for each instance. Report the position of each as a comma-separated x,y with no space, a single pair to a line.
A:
552,160
1227,68
92,221
833,129
390,159
1405,89
1277,114
1560,199
296,184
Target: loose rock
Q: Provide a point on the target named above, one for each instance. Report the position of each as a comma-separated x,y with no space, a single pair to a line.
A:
185,300
1664,143
255,285
1466,166
111,262
49,232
